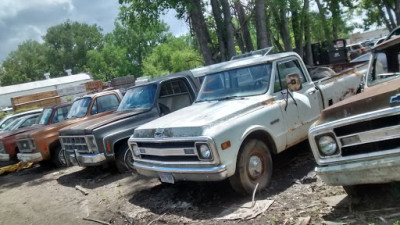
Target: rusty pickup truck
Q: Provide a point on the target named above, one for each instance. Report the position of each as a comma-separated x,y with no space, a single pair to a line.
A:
140,104
246,110
357,141
49,115
43,145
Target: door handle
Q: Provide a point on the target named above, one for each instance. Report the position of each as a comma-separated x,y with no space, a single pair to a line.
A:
312,91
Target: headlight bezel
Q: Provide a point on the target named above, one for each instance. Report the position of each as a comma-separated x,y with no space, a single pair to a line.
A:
91,144
327,136
135,149
198,146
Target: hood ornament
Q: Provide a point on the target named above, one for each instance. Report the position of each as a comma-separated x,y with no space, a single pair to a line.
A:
159,133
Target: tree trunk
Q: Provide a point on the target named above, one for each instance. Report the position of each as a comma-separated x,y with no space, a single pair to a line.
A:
389,13
297,26
307,34
200,29
220,28
383,16
239,40
397,11
323,19
334,8
230,43
284,29
261,26
243,25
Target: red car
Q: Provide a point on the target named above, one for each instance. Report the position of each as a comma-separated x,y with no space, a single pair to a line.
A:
49,115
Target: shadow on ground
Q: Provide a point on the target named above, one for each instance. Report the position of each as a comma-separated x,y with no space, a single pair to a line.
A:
92,177
373,204
206,200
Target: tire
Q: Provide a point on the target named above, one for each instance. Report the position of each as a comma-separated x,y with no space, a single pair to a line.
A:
356,191
57,157
246,176
124,159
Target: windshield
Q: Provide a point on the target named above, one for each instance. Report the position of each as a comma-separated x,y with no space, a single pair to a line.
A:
7,121
45,116
141,97
383,68
79,108
14,123
241,82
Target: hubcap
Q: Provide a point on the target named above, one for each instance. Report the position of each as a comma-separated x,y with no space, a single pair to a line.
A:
255,167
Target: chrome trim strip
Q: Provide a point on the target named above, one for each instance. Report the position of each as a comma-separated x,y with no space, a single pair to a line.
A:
216,169
381,134
167,151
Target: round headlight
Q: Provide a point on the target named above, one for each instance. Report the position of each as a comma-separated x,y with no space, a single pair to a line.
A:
136,150
205,151
327,145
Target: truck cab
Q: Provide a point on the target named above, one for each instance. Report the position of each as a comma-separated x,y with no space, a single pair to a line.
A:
140,104
247,109
43,145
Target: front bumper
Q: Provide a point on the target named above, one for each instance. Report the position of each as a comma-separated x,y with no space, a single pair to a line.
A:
215,173
383,170
30,157
4,157
84,160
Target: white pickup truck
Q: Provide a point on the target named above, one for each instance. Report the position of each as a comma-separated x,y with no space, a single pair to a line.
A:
246,110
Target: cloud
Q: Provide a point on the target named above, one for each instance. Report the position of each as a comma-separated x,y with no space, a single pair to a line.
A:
22,20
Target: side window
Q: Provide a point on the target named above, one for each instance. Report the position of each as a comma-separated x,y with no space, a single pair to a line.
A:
285,68
29,122
60,114
174,95
106,103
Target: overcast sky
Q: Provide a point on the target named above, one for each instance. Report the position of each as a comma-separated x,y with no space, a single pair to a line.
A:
22,20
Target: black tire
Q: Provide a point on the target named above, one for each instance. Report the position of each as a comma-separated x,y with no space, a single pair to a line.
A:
356,191
246,178
123,159
58,158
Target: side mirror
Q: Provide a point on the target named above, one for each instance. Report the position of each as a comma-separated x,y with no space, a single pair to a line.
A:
293,82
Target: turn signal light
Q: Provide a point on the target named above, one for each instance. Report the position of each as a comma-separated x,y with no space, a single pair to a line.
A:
108,146
225,145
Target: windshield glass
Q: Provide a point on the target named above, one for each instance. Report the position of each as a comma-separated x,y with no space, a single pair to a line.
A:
45,116
11,125
141,97
241,82
7,121
79,108
383,68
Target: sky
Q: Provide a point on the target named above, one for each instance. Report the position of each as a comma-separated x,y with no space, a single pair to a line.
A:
22,20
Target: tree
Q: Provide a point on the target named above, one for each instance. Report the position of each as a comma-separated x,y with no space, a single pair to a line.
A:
261,24
110,63
67,46
175,56
385,12
27,63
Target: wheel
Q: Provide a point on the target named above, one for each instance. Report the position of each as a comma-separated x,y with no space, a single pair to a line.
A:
124,159
254,166
356,191
58,158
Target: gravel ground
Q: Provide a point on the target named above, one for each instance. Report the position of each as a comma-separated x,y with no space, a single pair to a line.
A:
75,195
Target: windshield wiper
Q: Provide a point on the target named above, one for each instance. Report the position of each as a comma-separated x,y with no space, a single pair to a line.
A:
229,97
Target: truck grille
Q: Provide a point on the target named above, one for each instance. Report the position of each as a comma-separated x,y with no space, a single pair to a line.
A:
72,143
26,145
375,135
168,151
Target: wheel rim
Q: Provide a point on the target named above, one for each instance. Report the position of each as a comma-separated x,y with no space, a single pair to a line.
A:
255,167
129,159
61,157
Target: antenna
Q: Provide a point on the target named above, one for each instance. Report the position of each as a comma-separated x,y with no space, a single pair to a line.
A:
262,52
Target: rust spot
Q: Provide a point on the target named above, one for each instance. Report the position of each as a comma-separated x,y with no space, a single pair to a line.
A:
291,129
268,102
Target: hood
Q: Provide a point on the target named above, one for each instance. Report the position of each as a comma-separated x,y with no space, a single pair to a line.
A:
87,126
374,98
19,131
192,120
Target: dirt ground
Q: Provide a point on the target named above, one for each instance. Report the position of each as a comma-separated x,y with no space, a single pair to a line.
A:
42,195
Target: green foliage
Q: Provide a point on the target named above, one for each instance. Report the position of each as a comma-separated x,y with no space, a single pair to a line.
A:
175,56
68,44
110,63
27,63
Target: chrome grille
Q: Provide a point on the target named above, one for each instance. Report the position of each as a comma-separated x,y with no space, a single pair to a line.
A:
72,143
168,151
26,145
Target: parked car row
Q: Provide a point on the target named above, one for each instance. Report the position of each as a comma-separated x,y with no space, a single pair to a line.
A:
226,127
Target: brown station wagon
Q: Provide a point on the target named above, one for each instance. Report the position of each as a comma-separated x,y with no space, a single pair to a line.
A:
43,144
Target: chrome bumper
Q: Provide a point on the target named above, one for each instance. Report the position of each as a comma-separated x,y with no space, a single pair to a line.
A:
382,170
84,160
215,173
4,157
30,157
